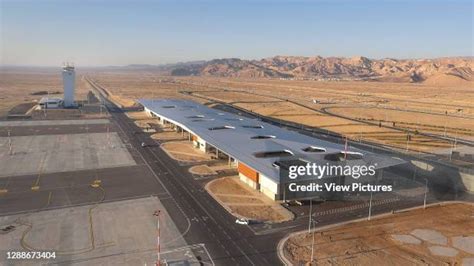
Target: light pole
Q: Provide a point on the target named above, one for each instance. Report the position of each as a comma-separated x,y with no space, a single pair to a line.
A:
345,149
10,146
312,249
451,152
310,212
370,206
414,173
426,193
453,147
158,259
446,123
408,140
108,137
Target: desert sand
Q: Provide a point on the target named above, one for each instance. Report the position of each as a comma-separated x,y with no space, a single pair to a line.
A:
444,237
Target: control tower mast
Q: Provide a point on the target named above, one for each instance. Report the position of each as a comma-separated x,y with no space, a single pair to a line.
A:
69,76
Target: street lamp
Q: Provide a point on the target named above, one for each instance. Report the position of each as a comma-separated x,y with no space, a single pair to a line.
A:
426,193
312,248
370,206
310,212
10,145
157,214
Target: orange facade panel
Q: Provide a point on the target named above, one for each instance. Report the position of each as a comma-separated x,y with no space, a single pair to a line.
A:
248,172
194,138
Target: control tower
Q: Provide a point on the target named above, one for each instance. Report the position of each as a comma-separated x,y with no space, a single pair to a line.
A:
69,77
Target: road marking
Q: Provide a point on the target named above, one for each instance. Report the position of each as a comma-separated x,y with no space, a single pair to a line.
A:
202,207
49,199
35,186
159,181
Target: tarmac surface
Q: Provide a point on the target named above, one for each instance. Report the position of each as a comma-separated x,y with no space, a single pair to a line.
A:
53,122
116,233
58,190
56,129
50,204
39,154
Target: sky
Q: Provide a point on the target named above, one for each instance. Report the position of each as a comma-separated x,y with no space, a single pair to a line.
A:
106,32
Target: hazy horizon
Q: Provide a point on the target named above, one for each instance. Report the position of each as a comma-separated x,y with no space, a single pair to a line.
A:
99,33
183,62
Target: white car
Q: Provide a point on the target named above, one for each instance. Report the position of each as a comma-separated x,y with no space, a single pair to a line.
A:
242,221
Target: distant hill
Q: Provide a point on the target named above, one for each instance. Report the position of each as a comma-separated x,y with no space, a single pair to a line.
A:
440,70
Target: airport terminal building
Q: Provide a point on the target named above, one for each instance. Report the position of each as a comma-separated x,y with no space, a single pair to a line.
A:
257,149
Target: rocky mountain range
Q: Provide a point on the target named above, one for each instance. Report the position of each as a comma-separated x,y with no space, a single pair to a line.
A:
441,70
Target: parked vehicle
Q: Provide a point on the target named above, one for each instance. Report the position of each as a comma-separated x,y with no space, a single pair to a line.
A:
242,221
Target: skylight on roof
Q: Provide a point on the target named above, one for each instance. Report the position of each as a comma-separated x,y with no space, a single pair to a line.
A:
202,119
285,164
314,149
263,137
252,126
343,156
221,127
270,154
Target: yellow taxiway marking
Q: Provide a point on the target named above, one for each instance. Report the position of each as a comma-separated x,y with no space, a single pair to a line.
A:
96,183
36,187
49,198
